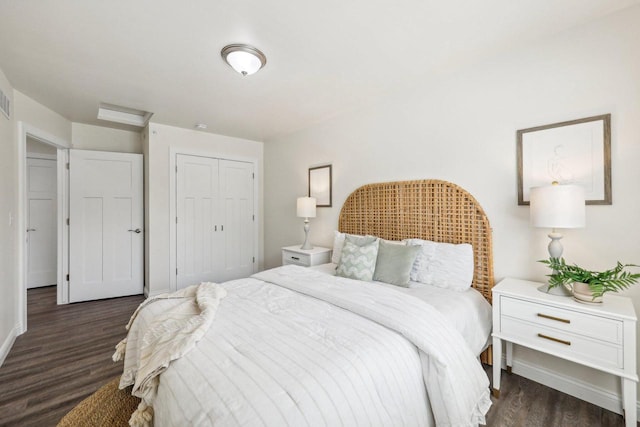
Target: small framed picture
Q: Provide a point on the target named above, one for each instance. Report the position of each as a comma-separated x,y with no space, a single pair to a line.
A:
573,152
320,185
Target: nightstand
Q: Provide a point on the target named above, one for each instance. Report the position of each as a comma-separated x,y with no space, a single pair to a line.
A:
601,336
305,257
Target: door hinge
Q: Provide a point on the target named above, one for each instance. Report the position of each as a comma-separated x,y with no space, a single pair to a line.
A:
67,165
176,271
176,168
254,260
253,175
253,217
67,277
68,221
176,220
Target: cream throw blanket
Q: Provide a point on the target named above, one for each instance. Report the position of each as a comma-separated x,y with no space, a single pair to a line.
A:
149,348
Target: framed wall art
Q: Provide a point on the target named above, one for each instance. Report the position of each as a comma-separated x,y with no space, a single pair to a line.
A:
320,185
573,152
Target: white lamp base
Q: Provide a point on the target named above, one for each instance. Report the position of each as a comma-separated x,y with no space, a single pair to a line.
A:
555,247
555,251
306,245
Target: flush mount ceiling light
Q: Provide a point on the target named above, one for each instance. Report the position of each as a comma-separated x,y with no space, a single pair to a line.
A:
243,58
127,116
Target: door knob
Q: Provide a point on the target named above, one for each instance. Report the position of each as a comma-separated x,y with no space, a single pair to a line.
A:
30,229
137,231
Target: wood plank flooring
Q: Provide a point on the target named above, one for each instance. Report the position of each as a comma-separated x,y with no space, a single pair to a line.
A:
66,355
63,357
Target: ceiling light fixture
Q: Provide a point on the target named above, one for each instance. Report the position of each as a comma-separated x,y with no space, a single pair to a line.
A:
243,58
124,115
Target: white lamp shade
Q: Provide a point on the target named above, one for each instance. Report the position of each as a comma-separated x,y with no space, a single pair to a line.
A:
557,206
306,207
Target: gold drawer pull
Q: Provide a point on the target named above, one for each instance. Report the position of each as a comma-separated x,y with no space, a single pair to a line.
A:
554,339
546,316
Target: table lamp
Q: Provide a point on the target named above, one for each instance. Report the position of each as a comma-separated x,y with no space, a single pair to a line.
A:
557,206
306,208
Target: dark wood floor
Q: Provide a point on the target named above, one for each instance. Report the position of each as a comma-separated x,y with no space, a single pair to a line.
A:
66,355
63,357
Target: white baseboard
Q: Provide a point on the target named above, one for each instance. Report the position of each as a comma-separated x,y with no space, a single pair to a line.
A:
156,292
7,344
570,385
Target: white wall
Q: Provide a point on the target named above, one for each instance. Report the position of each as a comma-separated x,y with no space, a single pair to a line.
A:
157,144
89,137
462,128
37,115
8,271
37,147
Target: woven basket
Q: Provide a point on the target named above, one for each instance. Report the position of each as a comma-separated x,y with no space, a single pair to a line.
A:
107,407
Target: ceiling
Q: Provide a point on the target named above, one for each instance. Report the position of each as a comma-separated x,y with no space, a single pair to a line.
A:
323,58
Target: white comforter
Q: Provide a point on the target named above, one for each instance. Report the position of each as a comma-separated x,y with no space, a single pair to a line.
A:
276,357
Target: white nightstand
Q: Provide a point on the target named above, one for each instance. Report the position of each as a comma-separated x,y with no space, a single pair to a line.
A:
601,336
305,258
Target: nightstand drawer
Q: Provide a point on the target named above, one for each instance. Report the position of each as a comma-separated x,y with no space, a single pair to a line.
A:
295,258
552,340
596,327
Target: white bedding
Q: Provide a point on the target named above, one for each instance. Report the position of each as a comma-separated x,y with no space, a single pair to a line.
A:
468,312
276,357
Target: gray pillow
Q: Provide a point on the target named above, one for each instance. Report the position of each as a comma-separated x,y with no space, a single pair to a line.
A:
394,263
358,262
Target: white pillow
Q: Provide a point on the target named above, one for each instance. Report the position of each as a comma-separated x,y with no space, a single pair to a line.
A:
443,264
338,243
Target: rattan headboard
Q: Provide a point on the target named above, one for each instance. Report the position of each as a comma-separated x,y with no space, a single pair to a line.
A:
428,209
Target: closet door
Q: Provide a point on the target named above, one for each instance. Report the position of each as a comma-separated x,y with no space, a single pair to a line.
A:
199,226
236,192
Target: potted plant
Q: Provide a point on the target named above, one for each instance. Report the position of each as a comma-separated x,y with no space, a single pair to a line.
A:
589,286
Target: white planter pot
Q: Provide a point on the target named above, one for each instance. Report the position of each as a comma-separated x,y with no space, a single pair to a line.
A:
582,293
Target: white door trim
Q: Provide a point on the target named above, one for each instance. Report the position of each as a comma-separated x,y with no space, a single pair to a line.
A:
41,156
173,210
25,130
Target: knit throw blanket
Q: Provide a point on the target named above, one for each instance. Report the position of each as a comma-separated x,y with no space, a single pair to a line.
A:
149,348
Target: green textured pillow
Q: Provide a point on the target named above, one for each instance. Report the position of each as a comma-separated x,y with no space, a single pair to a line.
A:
360,240
358,262
394,263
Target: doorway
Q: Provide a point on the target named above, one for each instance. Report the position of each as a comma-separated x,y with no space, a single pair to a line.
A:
41,214
34,146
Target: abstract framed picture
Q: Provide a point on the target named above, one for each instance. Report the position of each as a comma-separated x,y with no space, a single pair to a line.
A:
320,185
573,152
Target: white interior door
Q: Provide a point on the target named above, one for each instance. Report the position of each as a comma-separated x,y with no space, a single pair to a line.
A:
198,227
106,225
41,223
236,192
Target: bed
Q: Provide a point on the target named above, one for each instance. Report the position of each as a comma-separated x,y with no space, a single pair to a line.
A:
293,346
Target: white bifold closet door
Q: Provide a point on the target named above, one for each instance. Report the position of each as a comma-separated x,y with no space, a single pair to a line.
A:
106,225
42,230
215,220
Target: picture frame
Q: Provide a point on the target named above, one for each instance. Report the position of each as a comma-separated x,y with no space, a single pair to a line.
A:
320,185
571,152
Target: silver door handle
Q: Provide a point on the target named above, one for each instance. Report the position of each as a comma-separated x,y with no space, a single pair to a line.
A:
30,229
137,231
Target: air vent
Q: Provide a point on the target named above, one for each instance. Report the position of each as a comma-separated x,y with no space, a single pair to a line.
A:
5,105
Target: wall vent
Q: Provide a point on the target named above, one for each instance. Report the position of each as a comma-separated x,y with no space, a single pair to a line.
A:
5,105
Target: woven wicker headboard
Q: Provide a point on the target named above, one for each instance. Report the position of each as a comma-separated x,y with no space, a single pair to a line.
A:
428,209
